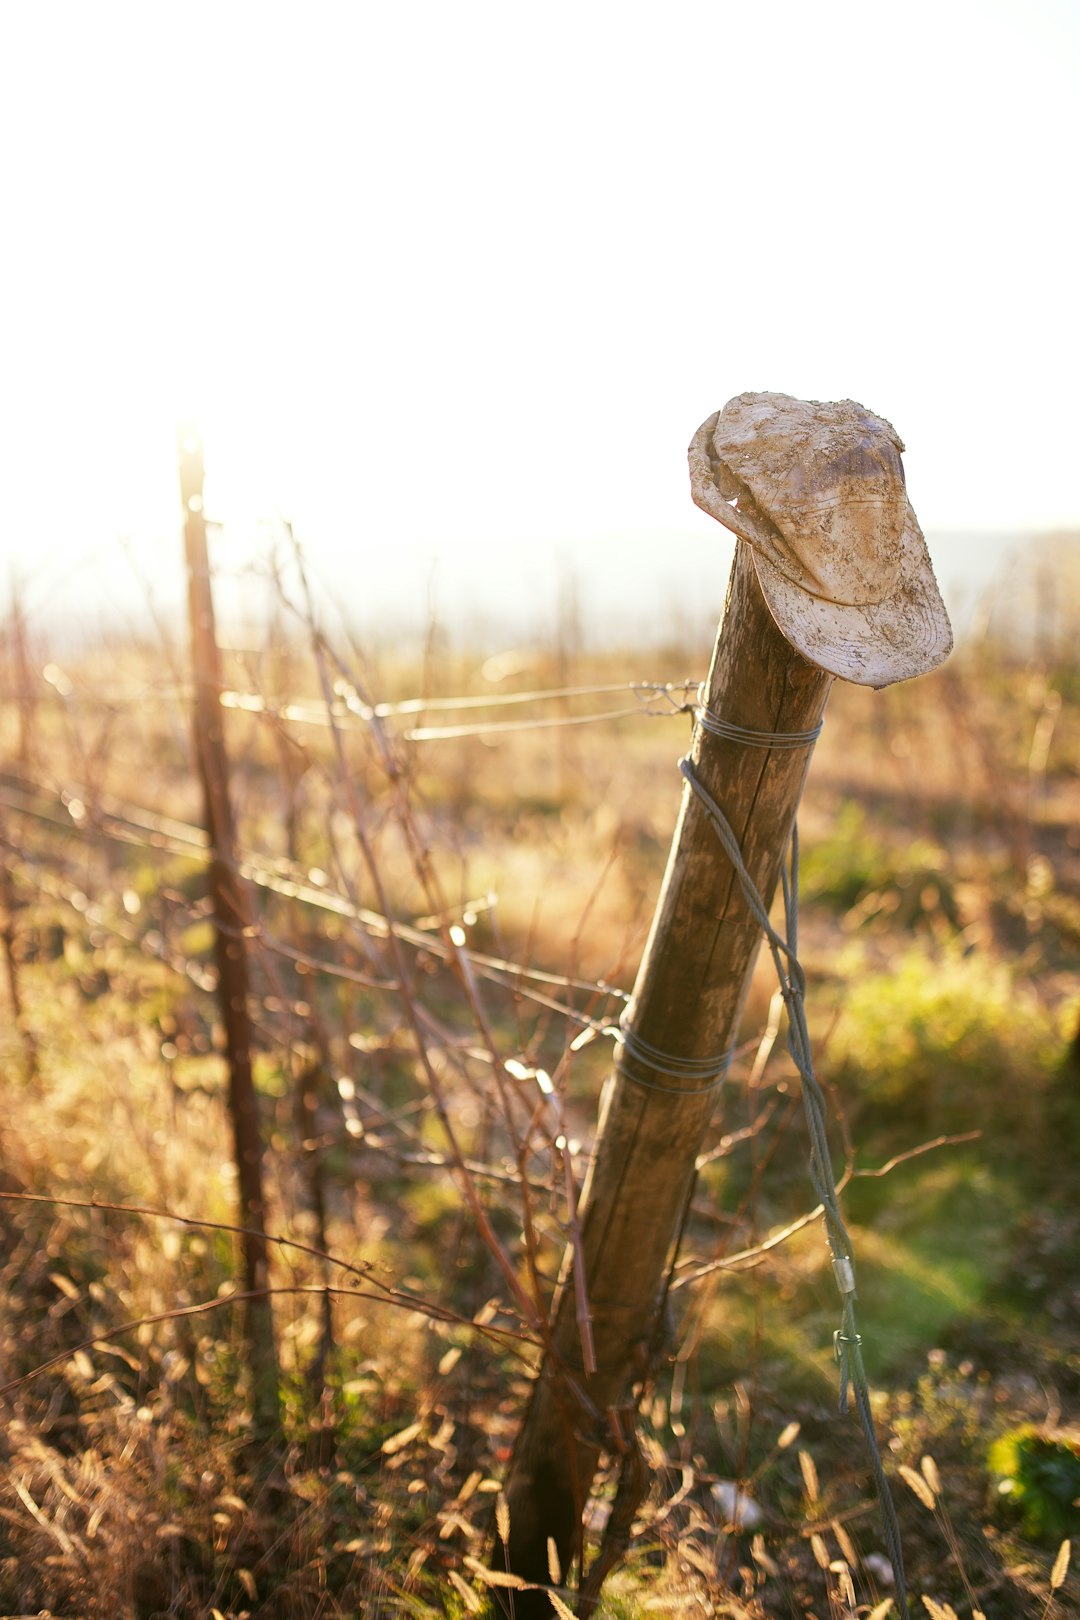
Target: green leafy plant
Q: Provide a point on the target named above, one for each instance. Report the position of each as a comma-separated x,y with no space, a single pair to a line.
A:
949,1037
876,882
1038,1472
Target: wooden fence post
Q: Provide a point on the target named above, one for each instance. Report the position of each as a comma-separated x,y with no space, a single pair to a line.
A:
230,948
686,1002
684,1012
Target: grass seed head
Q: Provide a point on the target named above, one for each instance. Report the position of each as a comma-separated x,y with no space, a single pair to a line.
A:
1061,1567
472,1600
554,1567
919,1487
810,1476
845,1543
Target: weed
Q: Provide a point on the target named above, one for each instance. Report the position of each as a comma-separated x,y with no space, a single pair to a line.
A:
130,1482
1037,1472
947,1041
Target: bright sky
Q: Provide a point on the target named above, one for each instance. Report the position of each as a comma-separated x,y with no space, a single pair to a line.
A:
469,276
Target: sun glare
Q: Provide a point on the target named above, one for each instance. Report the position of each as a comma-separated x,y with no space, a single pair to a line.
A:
409,308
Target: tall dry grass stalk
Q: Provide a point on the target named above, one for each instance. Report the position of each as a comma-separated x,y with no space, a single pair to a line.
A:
427,1108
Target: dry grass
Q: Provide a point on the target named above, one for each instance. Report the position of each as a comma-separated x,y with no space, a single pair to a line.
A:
130,1481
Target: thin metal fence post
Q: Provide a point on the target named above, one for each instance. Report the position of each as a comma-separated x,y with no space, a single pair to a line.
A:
230,948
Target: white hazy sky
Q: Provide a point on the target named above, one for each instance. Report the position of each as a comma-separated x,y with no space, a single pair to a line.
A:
467,277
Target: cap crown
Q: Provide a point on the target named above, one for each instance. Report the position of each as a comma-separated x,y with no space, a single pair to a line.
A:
820,489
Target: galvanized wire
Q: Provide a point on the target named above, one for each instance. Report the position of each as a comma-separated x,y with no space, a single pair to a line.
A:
710,1071
847,1342
777,741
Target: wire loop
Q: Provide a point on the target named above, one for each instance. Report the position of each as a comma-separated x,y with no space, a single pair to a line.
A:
711,1070
779,741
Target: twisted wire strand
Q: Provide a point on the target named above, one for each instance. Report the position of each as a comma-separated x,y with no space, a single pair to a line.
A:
780,741
847,1342
712,1071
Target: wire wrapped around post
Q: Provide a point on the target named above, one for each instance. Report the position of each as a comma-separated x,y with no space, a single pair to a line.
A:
847,1341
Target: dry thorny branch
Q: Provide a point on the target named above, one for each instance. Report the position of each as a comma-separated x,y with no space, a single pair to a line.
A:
388,997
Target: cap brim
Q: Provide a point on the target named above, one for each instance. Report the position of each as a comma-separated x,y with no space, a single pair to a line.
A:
906,634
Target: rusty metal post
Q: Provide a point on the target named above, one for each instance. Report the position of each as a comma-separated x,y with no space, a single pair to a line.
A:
230,947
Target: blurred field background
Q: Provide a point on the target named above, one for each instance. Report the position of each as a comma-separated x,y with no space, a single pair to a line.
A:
418,1147
465,280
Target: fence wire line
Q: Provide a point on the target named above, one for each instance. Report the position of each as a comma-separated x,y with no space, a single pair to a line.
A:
153,945
654,698
491,728
130,823
791,976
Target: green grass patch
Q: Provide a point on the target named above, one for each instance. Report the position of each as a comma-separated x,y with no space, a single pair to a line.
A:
1037,1473
947,1041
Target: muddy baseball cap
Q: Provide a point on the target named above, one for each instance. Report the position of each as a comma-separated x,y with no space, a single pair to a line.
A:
817,491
